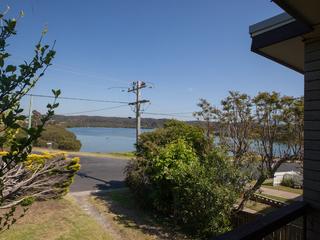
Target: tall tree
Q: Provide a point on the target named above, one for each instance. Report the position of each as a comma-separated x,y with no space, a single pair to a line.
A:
208,114
237,125
279,135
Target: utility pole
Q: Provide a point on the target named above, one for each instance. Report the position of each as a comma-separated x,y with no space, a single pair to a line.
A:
30,112
136,87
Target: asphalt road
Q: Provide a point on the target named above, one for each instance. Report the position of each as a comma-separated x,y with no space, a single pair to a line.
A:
99,174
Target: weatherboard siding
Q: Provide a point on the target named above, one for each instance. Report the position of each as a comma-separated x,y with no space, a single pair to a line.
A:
311,171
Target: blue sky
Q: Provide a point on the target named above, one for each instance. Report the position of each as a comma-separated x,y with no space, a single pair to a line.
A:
189,49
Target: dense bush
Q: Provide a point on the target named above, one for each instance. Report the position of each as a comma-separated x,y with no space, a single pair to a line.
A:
197,190
59,137
205,194
151,142
293,181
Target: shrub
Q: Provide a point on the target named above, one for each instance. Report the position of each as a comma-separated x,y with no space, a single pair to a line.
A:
150,143
59,137
199,195
293,181
205,194
39,177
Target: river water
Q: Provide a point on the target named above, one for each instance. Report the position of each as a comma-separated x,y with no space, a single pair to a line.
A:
96,139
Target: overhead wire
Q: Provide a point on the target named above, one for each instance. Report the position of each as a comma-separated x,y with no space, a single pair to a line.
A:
95,110
168,114
78,99
123,104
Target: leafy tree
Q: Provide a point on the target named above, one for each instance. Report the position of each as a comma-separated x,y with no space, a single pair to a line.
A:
59,137
293,125
237,123
208,114
279,135
16,82
260,133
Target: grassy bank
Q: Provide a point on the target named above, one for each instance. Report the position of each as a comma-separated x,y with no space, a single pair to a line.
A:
115,155
56,219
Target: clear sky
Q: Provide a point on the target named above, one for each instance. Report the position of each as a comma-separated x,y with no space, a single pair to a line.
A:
189,49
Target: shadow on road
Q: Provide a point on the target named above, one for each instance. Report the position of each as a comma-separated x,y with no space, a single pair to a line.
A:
104,185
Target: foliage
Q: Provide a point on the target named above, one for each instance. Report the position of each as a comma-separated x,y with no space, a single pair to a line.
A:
39,177
60,138
109,122
162,170
237,123
198,194
261,133
204,195
208,114
151,142
292,181
16,82
279,118
57,135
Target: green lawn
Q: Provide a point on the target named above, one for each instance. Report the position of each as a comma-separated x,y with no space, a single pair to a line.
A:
284,188
56,220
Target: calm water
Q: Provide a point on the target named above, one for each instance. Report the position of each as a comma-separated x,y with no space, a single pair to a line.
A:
94,139
106,139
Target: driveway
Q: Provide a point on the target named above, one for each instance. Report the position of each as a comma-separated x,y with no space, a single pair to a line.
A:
99,173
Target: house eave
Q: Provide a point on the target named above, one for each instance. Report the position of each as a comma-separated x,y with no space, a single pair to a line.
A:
273,38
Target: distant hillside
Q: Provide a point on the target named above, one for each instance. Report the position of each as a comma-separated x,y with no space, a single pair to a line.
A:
98,121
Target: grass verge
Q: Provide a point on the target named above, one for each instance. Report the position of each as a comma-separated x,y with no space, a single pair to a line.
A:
55,220
284,188
114,155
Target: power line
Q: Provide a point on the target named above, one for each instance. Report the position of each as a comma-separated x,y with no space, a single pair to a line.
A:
77,99
174,113
167,114
95,110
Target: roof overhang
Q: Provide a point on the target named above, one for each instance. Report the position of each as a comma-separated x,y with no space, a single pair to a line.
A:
306,11
280,38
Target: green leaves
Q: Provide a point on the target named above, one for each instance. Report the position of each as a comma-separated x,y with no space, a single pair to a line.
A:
56,93
198,193
3,56
11,68
16,81
173,156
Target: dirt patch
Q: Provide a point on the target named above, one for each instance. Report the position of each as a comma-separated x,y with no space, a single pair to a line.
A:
82,199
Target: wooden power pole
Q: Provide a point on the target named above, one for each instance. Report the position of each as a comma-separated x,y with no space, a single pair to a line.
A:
136,87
